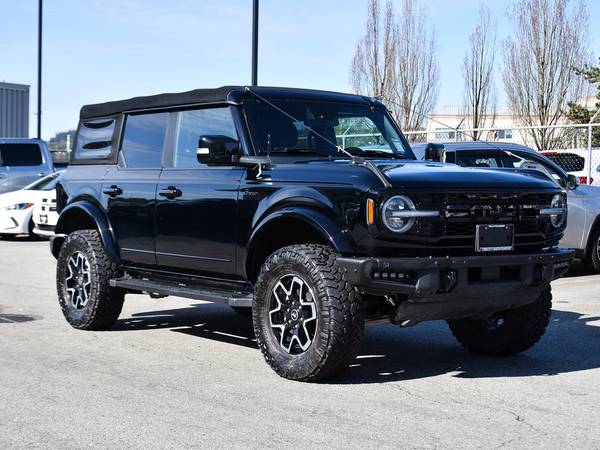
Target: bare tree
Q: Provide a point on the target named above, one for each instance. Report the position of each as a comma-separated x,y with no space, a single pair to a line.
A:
417,70
478,75
396,61
548,41
372,69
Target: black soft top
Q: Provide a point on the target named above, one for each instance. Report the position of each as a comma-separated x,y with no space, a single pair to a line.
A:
222,94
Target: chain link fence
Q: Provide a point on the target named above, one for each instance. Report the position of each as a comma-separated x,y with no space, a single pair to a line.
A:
574,147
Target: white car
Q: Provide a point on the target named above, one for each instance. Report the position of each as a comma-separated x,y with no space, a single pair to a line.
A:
577,162
16,207
45,216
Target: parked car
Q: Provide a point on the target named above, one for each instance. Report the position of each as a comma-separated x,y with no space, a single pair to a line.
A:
45,216
22,161
583,226
16,208
242,195
577,162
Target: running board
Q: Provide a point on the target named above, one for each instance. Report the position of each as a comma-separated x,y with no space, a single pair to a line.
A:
239,299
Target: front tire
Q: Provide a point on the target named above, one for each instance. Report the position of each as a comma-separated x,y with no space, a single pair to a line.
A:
308,319
84,269
506,332
592,259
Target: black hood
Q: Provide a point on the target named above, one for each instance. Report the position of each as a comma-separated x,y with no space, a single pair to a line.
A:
422,174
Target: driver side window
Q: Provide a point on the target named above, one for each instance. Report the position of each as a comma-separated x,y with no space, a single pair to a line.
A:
195,123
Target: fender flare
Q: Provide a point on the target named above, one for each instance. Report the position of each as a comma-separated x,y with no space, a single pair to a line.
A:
93,213
322,223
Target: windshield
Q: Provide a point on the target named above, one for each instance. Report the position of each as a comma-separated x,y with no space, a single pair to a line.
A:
316,128
45,184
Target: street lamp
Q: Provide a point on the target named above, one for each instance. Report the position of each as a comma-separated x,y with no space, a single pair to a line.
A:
39,74
254,42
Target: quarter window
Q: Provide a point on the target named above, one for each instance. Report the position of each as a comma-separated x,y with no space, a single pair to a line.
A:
143,140
94,139
195,123
20,155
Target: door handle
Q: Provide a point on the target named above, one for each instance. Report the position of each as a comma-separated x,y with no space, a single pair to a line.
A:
171,192
41,174
113,191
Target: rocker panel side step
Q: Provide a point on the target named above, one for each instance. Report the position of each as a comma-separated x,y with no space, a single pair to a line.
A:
239,299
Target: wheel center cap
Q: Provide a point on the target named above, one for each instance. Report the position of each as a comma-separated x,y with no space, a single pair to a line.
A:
294,314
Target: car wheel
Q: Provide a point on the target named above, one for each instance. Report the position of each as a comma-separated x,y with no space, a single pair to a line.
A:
308,319
592,258
505,332
84,269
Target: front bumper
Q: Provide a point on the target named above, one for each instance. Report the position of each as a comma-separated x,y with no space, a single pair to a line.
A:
15,222
456,287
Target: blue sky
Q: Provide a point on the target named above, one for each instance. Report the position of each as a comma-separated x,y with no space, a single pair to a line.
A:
97,50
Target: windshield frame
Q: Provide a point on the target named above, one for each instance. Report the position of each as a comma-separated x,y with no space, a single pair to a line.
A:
315,154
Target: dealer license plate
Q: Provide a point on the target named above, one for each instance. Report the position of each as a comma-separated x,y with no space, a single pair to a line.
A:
495,237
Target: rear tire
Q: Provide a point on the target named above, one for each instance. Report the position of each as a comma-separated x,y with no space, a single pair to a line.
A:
506,332
592,259
83,271
308,319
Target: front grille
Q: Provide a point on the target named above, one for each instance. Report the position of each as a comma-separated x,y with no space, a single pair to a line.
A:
461,213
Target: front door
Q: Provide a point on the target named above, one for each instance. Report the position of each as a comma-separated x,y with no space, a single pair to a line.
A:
196,213
129,189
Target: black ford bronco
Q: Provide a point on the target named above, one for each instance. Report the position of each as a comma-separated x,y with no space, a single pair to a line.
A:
307,210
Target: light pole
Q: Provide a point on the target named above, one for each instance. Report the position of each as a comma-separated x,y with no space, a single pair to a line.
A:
39,74
254,42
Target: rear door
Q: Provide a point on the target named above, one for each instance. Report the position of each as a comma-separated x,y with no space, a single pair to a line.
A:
197,204
129,189
24,163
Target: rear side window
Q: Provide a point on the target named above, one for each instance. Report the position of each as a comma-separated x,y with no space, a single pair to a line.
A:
143,140
94,139
569,162
20,155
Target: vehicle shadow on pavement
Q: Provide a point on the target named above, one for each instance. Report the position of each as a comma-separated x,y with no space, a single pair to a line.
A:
571,344
209,321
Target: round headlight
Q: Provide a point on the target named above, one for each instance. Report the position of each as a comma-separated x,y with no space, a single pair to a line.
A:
395,215
559,201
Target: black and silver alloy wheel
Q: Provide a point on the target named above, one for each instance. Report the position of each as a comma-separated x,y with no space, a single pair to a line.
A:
308,320
78,280
293,314
83,271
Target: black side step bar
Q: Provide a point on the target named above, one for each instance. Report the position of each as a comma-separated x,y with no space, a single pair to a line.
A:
239,299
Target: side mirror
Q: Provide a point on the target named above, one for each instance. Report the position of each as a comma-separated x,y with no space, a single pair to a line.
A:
572,182
217,150
435,152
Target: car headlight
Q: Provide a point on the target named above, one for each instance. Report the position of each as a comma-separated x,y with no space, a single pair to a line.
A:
397,213
18,207
559,215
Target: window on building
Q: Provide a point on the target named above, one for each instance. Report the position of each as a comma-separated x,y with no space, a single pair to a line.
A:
143,140
445,134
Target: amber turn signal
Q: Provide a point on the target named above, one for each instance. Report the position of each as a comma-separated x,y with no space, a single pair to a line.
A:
370,211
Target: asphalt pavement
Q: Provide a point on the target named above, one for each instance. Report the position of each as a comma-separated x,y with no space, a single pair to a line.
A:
178,373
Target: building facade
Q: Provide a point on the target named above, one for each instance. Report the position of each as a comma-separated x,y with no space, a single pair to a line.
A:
14,110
